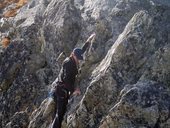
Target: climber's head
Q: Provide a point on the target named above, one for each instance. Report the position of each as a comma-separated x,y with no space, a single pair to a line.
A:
78,53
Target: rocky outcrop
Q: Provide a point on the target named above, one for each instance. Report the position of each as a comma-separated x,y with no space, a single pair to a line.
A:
125,78
144,104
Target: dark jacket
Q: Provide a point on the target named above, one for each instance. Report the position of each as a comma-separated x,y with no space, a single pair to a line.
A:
69,70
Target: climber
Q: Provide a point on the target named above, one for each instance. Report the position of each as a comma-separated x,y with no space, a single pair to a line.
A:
64,84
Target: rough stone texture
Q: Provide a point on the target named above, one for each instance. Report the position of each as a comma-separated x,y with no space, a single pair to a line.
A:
158,68
42,117
144,104
125,78
19,119
18,91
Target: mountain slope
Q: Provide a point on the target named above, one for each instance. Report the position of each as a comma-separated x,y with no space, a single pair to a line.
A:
125,78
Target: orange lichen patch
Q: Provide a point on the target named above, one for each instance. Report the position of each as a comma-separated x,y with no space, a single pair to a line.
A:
12,12
21,3
5,42
7,2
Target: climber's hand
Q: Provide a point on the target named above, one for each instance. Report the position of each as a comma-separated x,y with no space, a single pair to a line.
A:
91,37
76,92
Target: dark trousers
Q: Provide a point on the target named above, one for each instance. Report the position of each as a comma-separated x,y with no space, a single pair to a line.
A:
61,98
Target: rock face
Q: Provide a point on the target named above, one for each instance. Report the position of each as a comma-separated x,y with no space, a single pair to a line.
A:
125,78
144,104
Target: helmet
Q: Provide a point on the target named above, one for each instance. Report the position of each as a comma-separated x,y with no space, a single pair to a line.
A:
78,53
